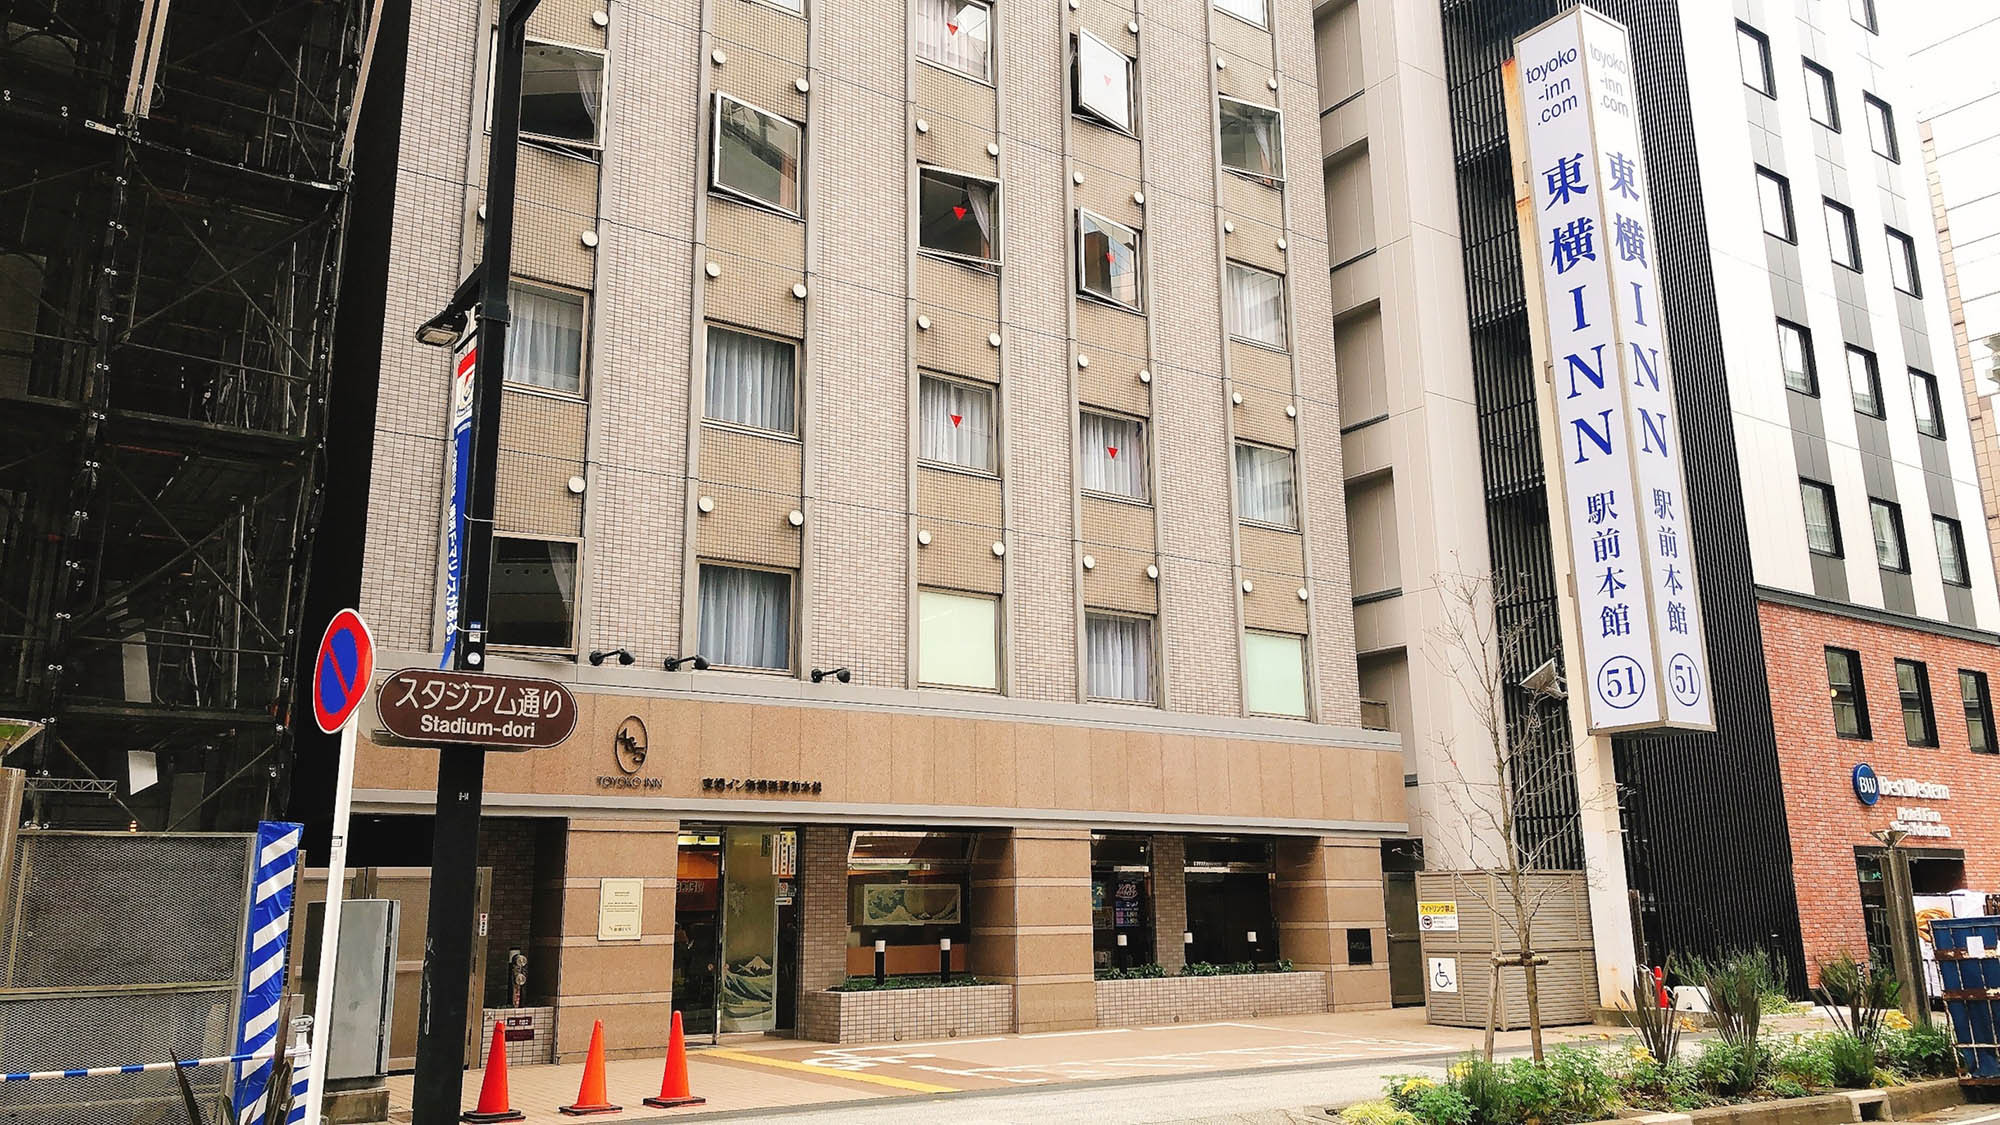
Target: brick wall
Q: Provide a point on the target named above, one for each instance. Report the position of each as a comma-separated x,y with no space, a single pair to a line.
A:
823,910
1169,901
507,845
1826,822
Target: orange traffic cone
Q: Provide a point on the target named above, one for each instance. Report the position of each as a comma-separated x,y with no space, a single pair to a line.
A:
494,1105
590,1094
674,1080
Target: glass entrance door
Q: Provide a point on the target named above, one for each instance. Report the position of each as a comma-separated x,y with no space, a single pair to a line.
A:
734,898
748,996
697,929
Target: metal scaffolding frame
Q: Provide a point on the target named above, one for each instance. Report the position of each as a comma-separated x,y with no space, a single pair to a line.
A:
173,196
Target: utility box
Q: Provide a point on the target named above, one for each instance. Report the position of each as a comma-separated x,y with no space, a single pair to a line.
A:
364,986
1458,915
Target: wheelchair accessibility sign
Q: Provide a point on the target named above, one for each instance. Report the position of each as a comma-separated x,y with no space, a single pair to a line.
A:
1441,973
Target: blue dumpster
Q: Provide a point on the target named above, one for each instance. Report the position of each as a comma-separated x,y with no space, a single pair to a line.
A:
1968,958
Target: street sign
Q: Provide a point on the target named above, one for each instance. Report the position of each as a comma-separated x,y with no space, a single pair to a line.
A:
449,708
341,673
1439,917
1441,974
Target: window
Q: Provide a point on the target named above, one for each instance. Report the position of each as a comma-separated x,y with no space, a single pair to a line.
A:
756,154
1820,104
1863,13
1107,263
1250,10
1256,306
1822,518
1121,656
1840,237
954,34
1924,399
1891,550
1951,551
957,215
751,381
1774,200
746,617
562,92
1753,60
545,342
532,597
955,423
958,640
1795,352
1865,377
1850,699
1252,142
1114,454
1274,669
1881,128
1101,81
1903,262
1266,491
1978,712
1913,691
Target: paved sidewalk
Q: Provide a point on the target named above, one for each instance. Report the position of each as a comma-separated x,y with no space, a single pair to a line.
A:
788,1074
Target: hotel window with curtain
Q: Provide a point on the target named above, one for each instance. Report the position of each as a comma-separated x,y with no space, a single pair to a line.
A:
746,617
1892,551
756,155
533,594
1844,688
1822,521
1252,139
1913,692
1924,401
1951,551
1107,265
751,381
1978,712
1257,306
957,215
1120,657
1796,354
545,341
958,640
955,35
1266,486
1274,673
1101,81
1864,376
1114,454
955,423
562,96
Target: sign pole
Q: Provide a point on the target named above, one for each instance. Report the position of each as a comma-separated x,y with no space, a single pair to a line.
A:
329,935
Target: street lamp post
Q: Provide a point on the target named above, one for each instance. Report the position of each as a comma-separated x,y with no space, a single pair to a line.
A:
1900,906
442,1014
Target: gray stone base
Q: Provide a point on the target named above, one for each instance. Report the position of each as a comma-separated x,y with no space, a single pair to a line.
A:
1125,1003
895,1014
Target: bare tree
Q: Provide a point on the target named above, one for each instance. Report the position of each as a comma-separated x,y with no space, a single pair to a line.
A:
1512,766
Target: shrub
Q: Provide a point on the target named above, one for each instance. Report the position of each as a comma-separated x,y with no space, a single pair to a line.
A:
1802,1061
1441,1105
1852,1059
1585,1089
1774,1002
1918,1052
1375,1113
1858,995
867,984
1728,1069
1486,1090
1736,984
1149,971
1653,1085
1786,1088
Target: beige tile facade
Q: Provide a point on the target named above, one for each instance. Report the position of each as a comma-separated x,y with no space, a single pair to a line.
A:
843,507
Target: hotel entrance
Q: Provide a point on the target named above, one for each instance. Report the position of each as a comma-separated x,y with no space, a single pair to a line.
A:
735,929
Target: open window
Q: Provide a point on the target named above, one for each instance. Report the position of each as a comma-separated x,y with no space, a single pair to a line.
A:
562,95
958,216
756,155
533,598
1252,140
1102,82
1107,263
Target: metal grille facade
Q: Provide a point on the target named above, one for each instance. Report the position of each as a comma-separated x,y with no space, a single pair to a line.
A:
1706,844
121,948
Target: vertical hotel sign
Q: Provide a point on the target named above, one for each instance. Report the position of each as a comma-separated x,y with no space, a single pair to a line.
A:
465,363
1618,439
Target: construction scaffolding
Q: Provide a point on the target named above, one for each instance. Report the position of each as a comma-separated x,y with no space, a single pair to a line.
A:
173,194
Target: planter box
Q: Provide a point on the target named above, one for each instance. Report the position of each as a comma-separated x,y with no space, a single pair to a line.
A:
907,1013
1125,1003
1900,1103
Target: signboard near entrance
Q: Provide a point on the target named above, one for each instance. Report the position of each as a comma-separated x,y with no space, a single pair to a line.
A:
452,708
1442,973
620,903
1438,917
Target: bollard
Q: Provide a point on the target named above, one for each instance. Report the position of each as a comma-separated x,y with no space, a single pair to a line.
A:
881,961
1122,956
944,959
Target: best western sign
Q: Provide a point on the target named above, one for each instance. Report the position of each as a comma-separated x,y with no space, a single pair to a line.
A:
1618,454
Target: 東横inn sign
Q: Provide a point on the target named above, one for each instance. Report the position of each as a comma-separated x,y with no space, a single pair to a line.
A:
1609,383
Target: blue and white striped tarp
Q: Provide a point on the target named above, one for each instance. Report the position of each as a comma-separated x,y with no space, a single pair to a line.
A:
266,946
142,1068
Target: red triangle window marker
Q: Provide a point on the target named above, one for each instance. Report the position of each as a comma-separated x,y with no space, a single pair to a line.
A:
1113,450
951,27
1110,257
958,212
956,419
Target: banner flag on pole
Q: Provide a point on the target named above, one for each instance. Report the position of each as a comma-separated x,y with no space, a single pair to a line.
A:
465,366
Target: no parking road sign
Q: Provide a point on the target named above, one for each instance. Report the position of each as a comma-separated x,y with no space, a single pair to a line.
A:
341,673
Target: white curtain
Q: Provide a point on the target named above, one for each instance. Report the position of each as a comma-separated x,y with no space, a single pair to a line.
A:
952,33
1252,10
1819,519
1121,657
1265,488
1888,537
1951,551
1114,455
545,342
1256,305
750,381
980,198
746,617
955,423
